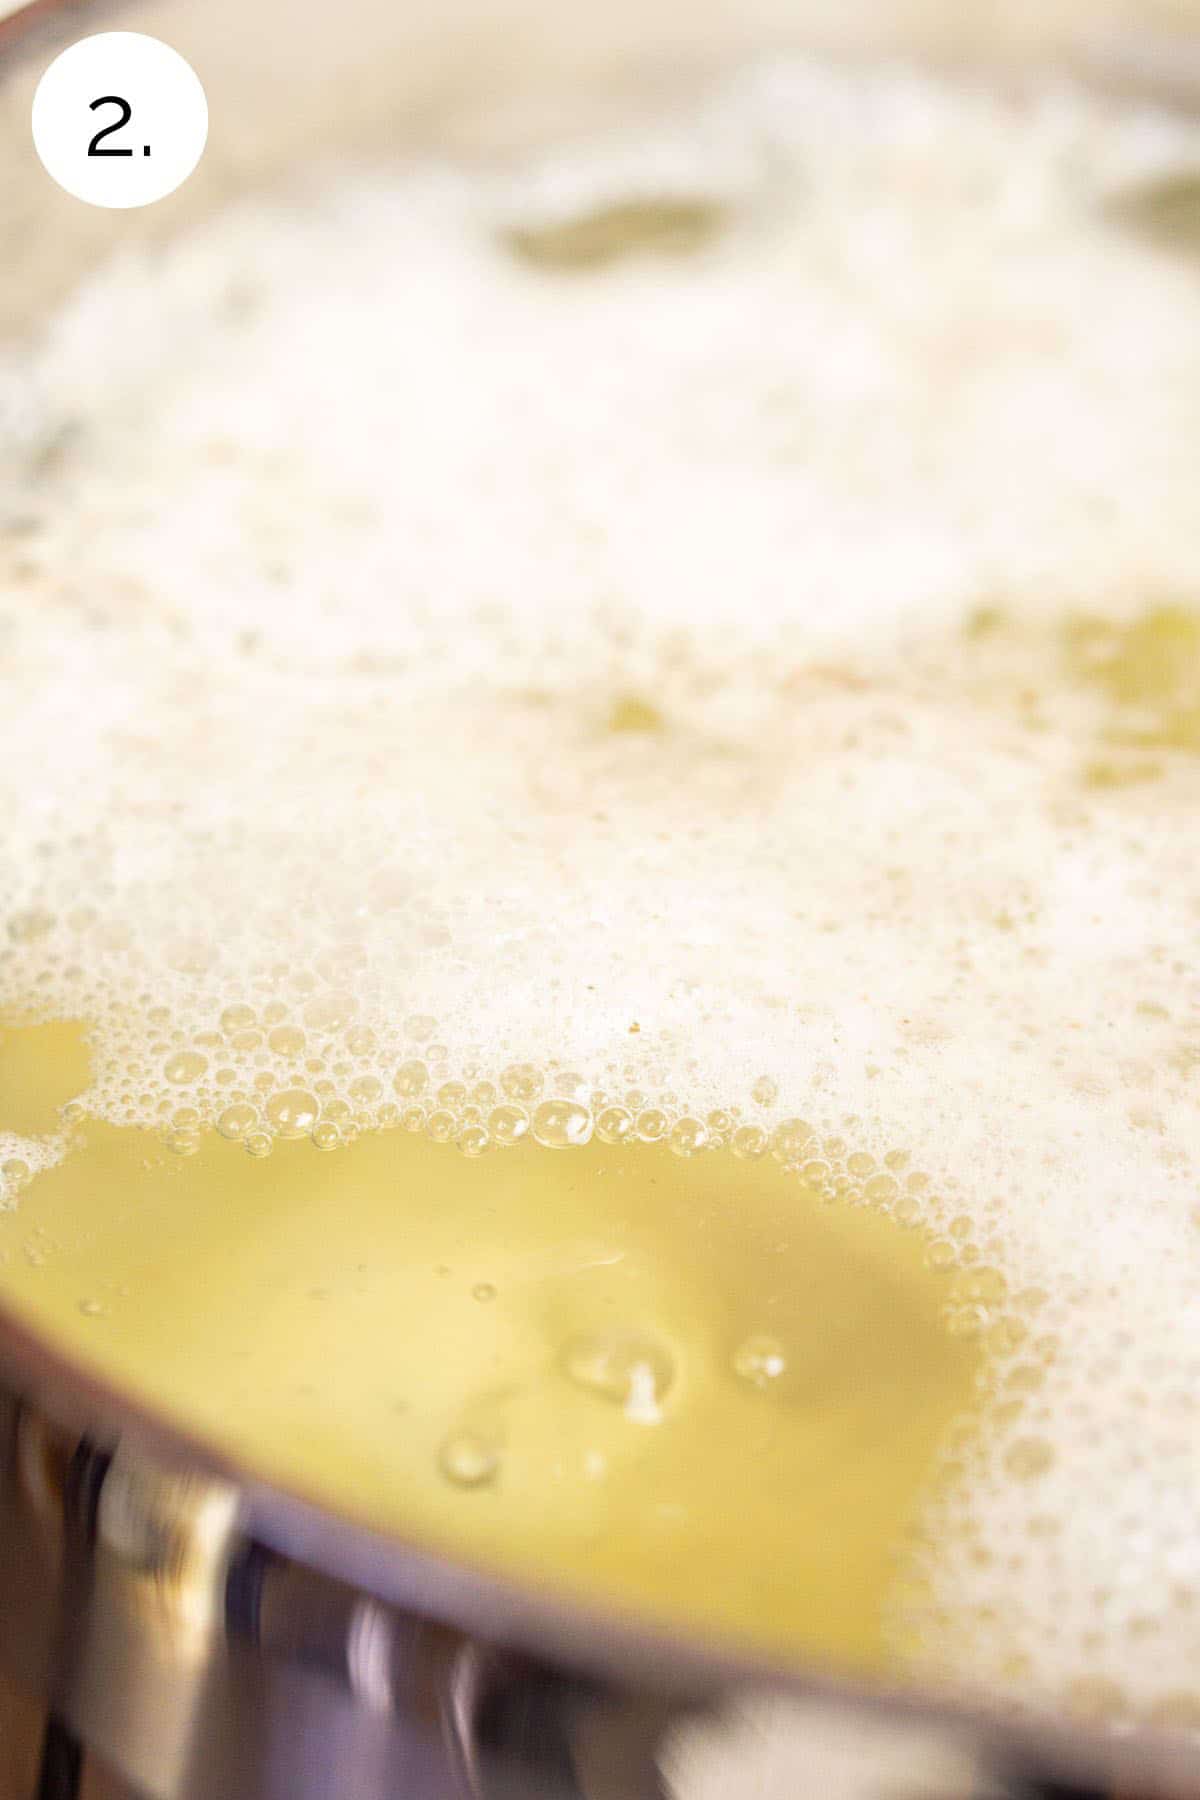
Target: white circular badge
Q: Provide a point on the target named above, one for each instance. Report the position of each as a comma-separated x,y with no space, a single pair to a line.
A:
120,119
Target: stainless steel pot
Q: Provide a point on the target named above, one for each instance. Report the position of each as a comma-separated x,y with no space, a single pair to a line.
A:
169,1628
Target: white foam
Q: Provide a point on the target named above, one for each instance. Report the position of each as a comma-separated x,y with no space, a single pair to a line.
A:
331,571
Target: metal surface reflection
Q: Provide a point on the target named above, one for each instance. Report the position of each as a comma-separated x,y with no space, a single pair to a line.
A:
154,1647
176,1656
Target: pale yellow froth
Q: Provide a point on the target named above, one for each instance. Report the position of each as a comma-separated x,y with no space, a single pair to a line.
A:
703,630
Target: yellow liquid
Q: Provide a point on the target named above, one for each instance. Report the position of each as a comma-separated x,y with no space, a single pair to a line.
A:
437,1346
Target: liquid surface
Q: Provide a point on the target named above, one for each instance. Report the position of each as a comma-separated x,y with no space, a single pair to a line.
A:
689,651
548,1364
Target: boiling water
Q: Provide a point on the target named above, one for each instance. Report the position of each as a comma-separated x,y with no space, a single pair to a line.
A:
684,657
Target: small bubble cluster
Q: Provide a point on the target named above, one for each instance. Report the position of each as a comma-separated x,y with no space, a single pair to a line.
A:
712,745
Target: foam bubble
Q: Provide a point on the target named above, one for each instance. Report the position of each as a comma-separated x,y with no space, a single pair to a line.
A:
699,642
